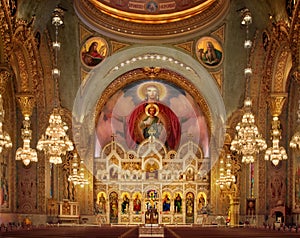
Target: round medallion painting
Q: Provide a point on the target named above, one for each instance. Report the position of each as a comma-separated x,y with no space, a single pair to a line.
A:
209,51
93,51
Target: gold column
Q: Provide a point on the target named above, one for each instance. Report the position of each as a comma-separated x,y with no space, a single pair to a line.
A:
4,77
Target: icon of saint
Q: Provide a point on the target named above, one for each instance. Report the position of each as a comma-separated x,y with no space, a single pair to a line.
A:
92,56
211,56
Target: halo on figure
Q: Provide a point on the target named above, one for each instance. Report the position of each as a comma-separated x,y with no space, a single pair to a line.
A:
203,195
100,194
125,194
142,90
137,195
149,106
166,193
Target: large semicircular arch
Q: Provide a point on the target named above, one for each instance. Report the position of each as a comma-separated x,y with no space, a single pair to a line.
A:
149,56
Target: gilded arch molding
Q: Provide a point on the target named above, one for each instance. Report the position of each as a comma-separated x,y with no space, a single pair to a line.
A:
282,67
25,58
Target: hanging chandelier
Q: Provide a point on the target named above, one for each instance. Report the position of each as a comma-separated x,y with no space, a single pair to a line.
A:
5,141
56,142
248,141
77,175
276,153
295,141
226,178
25,153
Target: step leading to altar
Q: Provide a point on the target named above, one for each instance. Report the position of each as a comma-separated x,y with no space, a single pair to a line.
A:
151,230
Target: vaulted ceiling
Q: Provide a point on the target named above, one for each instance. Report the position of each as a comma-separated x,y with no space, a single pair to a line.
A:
151,20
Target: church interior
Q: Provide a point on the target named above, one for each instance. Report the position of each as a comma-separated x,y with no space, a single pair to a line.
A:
150,112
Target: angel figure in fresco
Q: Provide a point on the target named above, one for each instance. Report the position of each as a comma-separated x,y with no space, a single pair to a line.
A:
168,124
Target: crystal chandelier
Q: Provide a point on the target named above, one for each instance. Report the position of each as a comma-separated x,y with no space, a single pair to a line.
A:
25,153
248,141
56,142
5,141
226,177
295,141
276,152
77,175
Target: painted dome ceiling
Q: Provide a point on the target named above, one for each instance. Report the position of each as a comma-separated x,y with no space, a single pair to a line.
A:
150,19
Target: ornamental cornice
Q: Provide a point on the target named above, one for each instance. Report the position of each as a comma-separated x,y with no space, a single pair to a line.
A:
26,103
105,21
276,103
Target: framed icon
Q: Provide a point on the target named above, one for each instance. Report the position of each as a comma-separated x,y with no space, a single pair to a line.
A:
209,51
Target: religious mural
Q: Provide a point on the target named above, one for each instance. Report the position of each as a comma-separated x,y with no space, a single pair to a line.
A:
93,51
114,207
201,206
166,202
152,108
100,206
189,207
137,203
209,51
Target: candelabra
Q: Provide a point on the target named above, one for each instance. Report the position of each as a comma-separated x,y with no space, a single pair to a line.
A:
248,141
56,142
5,141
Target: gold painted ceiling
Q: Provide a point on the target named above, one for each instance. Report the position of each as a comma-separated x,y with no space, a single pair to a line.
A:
150,19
